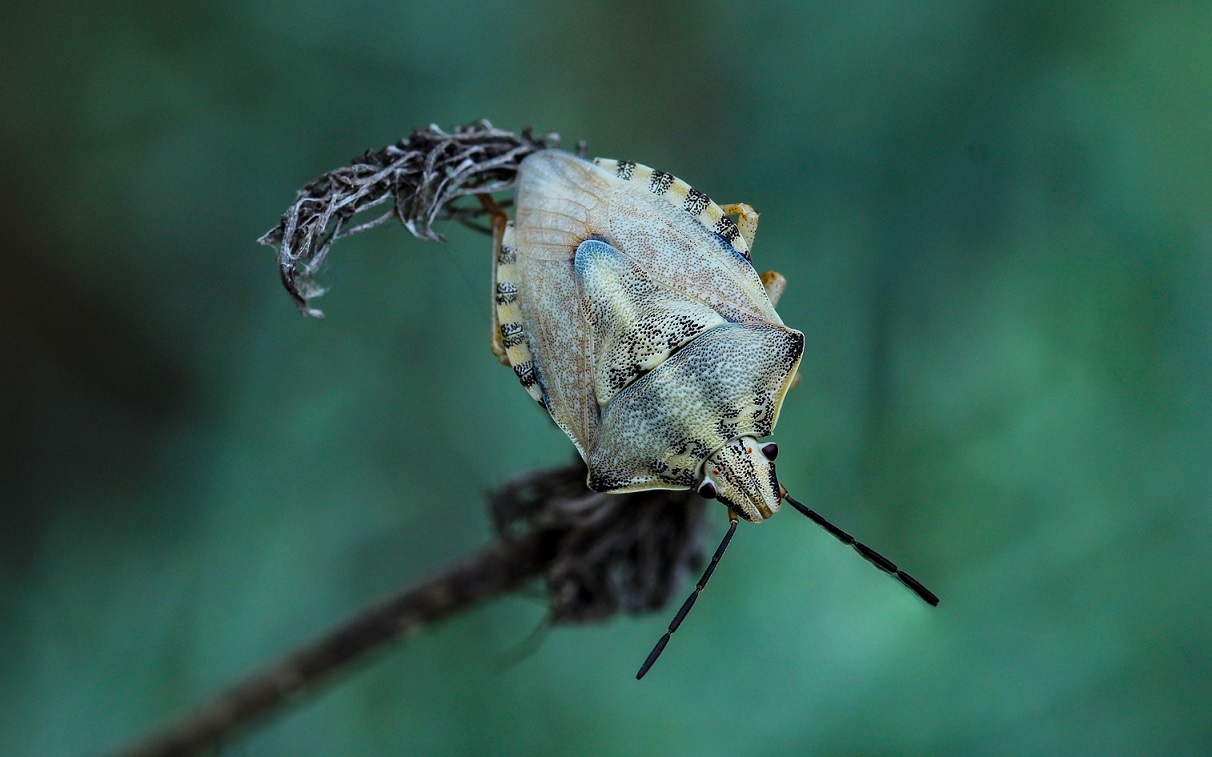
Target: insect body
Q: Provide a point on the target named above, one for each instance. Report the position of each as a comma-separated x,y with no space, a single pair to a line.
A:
628,308
626,303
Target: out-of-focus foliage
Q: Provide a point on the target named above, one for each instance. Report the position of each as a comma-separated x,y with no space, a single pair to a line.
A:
996,221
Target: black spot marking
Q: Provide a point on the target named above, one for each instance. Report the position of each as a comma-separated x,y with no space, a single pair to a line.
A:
728,232
512,334
507,292
525,373
696,202
727,427
603,483
726,229
625,169
508,256
773,479
660,183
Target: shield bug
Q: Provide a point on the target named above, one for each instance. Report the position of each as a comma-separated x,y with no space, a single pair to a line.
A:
626,303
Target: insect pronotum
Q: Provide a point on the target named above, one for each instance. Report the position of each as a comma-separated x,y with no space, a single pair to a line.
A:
627,306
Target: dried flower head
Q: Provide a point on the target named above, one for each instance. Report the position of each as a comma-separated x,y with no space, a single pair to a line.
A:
422,176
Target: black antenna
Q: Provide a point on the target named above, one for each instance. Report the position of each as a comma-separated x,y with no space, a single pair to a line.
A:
873,557
677,619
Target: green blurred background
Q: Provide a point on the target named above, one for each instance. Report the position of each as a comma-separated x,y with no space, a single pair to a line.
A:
996,220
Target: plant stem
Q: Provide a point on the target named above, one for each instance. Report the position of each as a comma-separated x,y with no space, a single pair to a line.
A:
499,569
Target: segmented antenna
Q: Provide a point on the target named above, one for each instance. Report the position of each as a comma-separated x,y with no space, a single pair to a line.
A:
869,554
677,619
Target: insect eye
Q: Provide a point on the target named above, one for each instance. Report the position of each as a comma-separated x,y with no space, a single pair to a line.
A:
707,490
770,450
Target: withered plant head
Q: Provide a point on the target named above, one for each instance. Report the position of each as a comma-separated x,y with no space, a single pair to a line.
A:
422,177
605,553
602,553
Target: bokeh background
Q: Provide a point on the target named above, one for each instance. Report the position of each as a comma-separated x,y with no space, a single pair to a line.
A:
996,220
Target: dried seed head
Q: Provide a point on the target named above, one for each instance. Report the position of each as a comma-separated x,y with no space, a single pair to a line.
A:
609,552
418,180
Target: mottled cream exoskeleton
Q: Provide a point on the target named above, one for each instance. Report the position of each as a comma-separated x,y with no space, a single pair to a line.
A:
626,303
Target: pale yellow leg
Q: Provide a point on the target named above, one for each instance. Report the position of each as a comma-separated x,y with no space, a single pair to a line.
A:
775,285
499,219
746,221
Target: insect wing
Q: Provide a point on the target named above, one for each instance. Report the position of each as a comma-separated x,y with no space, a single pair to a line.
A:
561,201
673,232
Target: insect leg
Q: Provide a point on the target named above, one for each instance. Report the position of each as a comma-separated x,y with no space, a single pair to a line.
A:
499,219
869,554
775,285
746,221
685,610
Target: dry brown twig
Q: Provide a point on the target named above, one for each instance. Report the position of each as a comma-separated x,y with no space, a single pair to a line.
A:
596,554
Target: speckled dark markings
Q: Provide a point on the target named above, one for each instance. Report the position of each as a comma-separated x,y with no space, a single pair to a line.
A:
762,411
774,480
525,373
675,331
625,169
687,477
728,428
738,464
508,256
512,335
660,183
726,229
696,202
507,292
